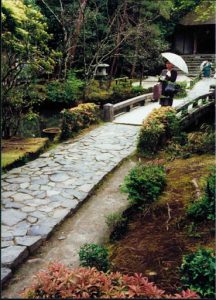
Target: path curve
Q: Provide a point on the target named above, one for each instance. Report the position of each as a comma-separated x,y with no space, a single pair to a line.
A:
41,194
88,225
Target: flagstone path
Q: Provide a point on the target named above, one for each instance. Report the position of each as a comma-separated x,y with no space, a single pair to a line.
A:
41,194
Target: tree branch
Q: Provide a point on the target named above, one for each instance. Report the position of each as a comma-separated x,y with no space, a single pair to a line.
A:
169,216
50,9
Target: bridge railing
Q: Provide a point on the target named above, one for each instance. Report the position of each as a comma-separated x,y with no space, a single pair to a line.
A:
112,110
191,111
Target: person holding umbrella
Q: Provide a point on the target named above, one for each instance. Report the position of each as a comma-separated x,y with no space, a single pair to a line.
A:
167,78
205,68
169,75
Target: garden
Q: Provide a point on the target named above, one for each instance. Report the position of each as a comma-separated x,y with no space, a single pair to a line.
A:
162,244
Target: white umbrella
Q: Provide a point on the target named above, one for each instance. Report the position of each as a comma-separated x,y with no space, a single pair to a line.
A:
202,64
176,60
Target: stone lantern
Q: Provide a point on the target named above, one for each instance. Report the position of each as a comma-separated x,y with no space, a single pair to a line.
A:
101,74
101,70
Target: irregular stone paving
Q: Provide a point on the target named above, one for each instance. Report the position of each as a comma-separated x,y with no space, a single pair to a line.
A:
41,194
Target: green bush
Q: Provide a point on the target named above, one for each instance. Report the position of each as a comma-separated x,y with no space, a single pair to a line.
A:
194,81
181,89
144,184
65,92
198,272
92,255
201,141
30,125
121,91
204,208
77,118
137,90
160,125
210,186
150,138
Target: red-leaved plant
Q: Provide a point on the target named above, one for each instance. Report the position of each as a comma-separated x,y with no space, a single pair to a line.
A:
58,281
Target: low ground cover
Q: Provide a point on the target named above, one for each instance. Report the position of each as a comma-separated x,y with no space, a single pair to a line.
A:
16,151
158,238
58,281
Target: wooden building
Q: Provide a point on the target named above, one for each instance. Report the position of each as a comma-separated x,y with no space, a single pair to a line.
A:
194,35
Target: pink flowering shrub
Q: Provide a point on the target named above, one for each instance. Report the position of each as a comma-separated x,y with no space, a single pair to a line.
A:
58,281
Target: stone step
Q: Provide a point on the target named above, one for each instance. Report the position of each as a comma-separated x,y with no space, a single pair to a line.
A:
194,61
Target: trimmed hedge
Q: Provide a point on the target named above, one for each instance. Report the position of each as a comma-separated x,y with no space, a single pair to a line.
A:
58,281
77,118
144,184
161,125
93,255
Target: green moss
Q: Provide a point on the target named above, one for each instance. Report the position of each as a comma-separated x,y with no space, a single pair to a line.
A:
17,151
180,174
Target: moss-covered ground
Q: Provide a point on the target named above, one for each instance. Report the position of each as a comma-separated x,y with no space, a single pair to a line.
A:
156,240
16,151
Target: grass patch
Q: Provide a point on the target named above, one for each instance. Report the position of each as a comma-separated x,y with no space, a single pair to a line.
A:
16,151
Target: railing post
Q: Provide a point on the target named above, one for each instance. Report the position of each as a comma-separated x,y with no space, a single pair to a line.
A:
108,112
142,103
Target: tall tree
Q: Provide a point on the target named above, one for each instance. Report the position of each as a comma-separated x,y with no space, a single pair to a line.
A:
70,17
25,54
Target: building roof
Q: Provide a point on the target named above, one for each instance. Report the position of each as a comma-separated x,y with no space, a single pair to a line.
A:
192,19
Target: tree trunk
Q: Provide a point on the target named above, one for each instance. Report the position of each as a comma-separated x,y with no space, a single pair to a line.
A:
133,69
141,75
118,39
78,25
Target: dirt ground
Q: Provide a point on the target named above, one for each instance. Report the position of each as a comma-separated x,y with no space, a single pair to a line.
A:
155,243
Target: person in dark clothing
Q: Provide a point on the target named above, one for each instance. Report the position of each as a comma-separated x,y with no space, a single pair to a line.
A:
167,77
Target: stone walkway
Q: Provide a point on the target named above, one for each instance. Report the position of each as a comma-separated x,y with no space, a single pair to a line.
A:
40,195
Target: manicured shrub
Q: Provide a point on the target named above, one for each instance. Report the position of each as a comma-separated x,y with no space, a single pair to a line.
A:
144,184
78,118
181,89
150,138
204,208
198,272
137,90
161,125
92,255
59,281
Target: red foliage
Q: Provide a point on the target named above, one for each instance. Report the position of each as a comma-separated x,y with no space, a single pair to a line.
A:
58,281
